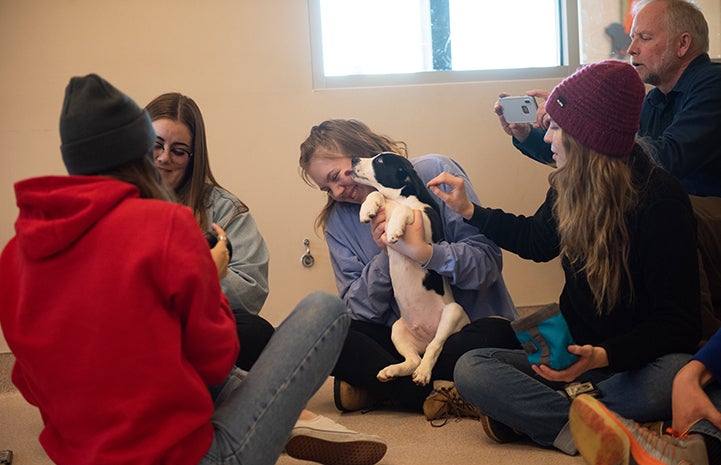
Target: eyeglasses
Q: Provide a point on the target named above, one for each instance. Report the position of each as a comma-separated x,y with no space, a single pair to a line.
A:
174,150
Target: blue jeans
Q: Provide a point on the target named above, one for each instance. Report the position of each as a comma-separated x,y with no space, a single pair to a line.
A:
713,391
501,383
256,411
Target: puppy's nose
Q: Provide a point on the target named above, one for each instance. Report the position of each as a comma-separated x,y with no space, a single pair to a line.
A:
355,161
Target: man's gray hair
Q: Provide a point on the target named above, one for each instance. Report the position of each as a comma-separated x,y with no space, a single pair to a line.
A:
683,16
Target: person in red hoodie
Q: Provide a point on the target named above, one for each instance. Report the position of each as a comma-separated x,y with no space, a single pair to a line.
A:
112,307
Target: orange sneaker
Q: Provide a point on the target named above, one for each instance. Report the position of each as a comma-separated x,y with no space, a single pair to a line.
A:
604,438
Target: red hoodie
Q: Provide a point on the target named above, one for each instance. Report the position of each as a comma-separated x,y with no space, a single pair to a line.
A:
112,307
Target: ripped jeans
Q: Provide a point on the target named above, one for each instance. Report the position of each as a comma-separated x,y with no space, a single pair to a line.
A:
255,411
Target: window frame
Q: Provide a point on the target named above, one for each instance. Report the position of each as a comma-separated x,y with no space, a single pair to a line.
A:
570,58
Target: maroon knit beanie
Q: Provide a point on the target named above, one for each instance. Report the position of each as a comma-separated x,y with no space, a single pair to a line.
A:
600,106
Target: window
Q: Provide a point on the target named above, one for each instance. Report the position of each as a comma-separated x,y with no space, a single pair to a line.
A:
409,36
485,35
390,42
386,42
374,37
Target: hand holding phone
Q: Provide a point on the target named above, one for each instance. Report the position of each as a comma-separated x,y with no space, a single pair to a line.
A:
212,238
519,109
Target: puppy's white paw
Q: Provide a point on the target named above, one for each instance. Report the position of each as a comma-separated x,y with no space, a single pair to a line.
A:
368,210
370,206
397,221
394,234
396,370
421,377
384,375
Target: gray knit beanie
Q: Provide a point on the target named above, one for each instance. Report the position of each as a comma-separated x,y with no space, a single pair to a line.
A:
101,128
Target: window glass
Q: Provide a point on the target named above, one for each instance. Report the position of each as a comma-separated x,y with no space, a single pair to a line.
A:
603,32
397,36
485,35
374,36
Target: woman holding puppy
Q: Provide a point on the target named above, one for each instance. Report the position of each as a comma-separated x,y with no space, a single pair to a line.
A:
626,235
471,262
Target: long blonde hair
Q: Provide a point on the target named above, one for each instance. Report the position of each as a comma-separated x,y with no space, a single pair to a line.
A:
595,193
345,137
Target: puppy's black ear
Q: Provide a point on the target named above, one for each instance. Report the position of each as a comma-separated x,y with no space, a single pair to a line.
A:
402,174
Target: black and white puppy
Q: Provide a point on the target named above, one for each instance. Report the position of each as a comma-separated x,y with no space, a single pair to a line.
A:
429,314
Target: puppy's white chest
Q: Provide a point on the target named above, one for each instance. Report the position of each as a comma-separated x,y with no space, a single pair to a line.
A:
420,307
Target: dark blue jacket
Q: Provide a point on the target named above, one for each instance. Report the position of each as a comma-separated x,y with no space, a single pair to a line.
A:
682,126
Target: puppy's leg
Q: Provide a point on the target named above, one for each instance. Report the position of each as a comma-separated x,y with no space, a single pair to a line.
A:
399,218
453,318
405,343
370,206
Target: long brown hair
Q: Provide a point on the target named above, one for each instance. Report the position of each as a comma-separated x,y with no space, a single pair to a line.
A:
595,193
347,138
198,182
142,174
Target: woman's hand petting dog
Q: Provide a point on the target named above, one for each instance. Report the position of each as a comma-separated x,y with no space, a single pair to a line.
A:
456,197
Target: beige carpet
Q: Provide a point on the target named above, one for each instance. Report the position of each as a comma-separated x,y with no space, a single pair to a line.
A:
411,439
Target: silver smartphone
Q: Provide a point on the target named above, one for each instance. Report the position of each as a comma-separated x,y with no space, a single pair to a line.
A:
521,109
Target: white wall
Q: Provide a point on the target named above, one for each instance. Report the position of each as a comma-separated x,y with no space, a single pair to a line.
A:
247,64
